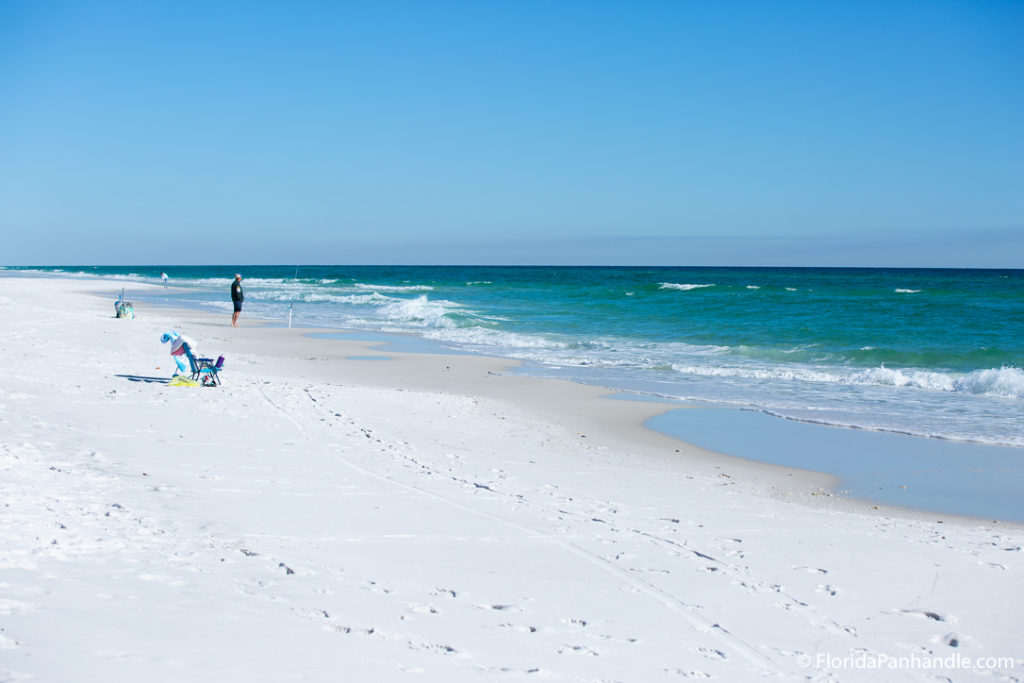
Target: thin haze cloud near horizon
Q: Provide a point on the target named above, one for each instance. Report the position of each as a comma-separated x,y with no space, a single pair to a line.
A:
651,133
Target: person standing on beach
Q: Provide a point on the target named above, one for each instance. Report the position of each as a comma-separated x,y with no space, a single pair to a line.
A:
237,297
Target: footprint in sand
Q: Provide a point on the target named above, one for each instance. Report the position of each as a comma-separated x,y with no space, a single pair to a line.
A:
711,653
417,608
934,616
501,608
953,640
689,673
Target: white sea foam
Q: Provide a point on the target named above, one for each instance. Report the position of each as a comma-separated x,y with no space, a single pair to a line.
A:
420,312
758,372
559,350
700,361
255,282
753,287
901,290
315,296
394,288
682,287
1003,382
932,431
901,377
1007,382
60,272
486,338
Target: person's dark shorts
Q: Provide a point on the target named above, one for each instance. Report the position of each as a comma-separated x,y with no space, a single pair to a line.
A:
238,306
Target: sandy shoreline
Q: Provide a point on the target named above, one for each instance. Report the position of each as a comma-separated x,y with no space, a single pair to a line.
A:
307,353
323,516
625,425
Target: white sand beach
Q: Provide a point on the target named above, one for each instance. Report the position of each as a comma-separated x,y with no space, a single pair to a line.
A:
335,512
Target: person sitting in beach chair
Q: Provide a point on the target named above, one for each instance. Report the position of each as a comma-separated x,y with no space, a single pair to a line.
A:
177,341
204,370
183,348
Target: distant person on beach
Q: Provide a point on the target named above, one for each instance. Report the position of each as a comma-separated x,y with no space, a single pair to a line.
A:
237,297
164,277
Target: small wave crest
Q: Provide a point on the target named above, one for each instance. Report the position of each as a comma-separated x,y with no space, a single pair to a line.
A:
903,290
394,288
61,272
682,287
487,338
314,296
1007,382
778,373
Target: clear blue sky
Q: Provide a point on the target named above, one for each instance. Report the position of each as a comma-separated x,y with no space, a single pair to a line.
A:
632,132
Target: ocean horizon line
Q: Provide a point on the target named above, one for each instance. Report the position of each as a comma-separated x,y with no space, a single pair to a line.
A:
510,265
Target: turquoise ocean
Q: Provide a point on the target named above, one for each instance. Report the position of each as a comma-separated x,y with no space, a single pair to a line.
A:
933,353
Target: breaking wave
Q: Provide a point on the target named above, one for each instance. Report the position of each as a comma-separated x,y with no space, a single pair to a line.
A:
420,312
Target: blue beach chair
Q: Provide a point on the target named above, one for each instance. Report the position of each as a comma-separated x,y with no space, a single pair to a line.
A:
204,370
